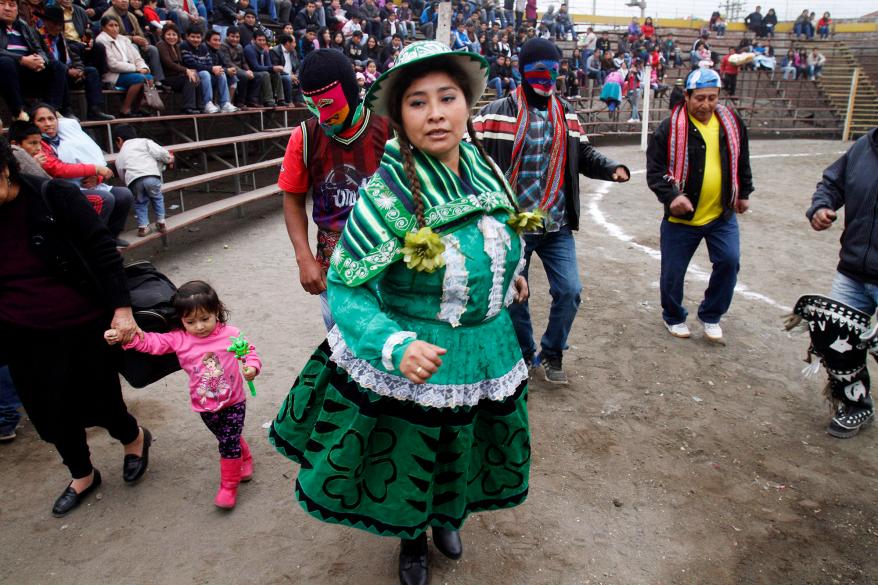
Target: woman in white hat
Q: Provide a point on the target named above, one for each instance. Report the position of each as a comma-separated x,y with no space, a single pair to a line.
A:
412,414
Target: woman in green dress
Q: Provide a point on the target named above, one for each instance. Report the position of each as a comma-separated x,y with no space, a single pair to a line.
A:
412,414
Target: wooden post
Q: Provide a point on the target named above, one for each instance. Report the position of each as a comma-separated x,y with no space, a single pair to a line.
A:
849,116
647,87
443,27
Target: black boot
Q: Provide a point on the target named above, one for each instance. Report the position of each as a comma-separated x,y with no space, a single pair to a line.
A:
448,542
850,418
413,567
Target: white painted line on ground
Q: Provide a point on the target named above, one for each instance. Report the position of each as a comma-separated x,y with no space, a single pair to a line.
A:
595,197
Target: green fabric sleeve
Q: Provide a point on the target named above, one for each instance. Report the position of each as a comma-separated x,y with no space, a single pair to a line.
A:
363,324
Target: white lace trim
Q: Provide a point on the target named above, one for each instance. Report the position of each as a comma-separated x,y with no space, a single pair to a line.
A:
391,343
510,292
497,243
430,395
455,292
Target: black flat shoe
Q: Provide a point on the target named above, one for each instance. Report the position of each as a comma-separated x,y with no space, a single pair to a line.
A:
70,499
133,467
448,542
413,565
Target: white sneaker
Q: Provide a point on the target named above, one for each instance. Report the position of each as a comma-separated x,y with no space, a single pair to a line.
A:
632,121
210,108
680,330
712,331
228,108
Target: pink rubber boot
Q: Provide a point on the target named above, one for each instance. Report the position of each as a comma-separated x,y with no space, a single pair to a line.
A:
230,477
246,461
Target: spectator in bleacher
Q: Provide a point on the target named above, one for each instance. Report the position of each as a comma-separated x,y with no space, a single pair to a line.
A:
247,27
391,26
355,50
460,40
337,42
24,64
593,68
371,15
254,87
55,300
551,132
648,28
71,154
677,96
824,26
815,62
187,14
213,40
130,28
520,6
258,58
179,77
587,43
330,155
603,42
563,24
769,23
284,54
754,22
139,164
764,57
407,20
309,42
530,12
225,14
634,30
547,23
802,26
78,74
324,37
78,30
670,51
212,76
27,147
155,17
788,65
370,74
126,69
500,77
390,51
632,89
335,16
95,9
729,72
611,92
135,7
306,17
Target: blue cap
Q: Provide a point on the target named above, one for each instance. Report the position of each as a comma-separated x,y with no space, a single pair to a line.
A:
703,77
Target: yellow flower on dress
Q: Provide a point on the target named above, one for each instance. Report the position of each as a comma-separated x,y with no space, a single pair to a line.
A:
423,250
527,221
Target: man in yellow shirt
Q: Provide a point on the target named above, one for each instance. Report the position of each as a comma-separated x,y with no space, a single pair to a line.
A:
698,165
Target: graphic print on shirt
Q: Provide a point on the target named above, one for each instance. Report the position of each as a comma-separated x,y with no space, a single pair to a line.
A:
213,384
337,193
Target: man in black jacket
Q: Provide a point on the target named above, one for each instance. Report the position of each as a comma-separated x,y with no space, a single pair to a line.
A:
543,160
698,165
24,62
852,182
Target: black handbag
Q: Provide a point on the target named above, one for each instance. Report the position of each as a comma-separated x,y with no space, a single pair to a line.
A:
151,294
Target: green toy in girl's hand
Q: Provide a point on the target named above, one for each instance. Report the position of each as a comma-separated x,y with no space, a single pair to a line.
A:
241,347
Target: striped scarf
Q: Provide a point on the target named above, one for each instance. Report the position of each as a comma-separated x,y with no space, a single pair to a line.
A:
678,147
558,155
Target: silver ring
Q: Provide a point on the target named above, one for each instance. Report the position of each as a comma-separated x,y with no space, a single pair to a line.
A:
419,370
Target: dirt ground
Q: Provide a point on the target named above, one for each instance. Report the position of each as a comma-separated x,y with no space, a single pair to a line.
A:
665,461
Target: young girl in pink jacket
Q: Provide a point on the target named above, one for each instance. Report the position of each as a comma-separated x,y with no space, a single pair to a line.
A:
216,388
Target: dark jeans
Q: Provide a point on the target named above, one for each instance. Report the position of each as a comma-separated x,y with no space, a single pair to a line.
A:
730,83
557,250
91,83
678,245
115,205
9,403
68,381
181,84
49,84
227,425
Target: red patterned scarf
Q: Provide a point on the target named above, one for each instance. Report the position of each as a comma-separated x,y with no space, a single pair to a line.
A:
558,155
678,147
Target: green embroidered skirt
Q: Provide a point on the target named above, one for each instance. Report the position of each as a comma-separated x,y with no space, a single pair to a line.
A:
395,467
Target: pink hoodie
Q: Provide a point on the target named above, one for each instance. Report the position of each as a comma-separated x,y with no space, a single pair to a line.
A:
215,380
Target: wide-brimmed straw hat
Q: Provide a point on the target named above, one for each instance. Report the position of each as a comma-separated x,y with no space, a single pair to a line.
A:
475,66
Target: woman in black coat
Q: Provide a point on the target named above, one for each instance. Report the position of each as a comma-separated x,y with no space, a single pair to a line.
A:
61,284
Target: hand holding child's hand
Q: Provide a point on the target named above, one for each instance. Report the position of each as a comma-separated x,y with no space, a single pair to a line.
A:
250,373
111,336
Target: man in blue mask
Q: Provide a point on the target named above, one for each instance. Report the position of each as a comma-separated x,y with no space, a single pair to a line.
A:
542,153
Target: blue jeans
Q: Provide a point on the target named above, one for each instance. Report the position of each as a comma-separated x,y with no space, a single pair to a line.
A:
9,403
146,190
860,295
557,250
678,245
497,84
208,82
